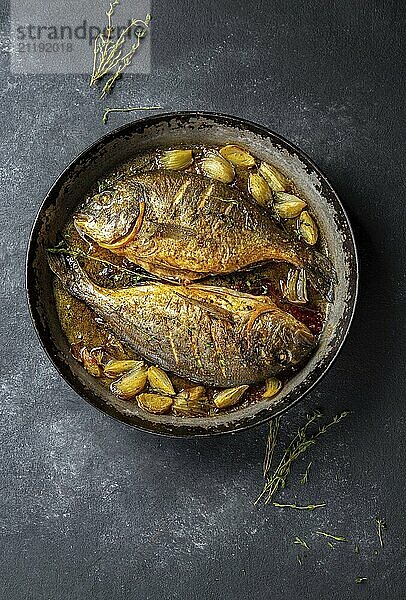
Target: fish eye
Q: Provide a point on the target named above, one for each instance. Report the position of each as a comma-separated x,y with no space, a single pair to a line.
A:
284,357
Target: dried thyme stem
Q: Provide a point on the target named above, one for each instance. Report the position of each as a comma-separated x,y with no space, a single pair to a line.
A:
301,542
105,117
337,538
309,507
270,445
305,477
380,525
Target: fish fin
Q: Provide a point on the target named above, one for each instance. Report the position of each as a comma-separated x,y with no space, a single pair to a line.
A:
253,315
172,231
224,292
217,312
167,274
322,275
71,274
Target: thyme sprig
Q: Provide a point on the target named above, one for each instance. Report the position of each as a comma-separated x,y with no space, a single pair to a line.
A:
337,538
299,444
380,525
108,111
109,56
308,507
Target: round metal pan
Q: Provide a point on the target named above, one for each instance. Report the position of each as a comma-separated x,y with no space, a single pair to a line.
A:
185,128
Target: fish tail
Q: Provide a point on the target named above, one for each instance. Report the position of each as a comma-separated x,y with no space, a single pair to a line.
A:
321,273
71,274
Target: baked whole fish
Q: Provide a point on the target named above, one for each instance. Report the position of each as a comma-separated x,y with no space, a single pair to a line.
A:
205,334
184,227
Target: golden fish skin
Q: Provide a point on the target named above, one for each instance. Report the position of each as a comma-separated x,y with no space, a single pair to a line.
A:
205,334
184,227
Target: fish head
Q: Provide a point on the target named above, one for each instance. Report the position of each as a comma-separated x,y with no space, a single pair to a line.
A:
111,215
282,341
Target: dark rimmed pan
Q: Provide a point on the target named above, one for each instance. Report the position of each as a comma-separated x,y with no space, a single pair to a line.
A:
169,130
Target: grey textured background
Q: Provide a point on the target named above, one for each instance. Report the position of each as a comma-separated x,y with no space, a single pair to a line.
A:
92,509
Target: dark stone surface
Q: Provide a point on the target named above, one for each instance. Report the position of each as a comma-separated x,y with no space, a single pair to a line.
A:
93,509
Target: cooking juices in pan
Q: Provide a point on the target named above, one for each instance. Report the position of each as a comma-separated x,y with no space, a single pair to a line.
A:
193,281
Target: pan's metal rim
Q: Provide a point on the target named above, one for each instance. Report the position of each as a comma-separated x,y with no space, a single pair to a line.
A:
186,431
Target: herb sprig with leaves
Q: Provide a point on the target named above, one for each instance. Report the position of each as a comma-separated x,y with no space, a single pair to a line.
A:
110,58
299,444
